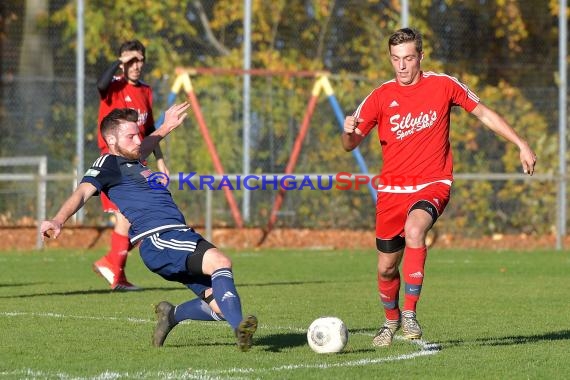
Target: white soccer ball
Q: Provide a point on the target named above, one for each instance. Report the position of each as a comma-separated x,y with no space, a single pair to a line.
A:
327,335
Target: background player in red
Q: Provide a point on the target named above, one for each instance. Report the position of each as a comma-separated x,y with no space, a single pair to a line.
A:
412,114
124,91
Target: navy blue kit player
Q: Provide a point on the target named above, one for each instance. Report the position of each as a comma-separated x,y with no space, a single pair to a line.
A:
168,246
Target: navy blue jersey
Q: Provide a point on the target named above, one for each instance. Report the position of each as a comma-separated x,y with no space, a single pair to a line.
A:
147,208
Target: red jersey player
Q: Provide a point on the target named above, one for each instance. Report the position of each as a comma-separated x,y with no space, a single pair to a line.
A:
412,114
125,91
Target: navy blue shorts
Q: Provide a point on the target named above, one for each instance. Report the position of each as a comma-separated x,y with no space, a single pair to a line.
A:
166,254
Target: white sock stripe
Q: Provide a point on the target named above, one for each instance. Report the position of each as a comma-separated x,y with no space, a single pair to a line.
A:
224,273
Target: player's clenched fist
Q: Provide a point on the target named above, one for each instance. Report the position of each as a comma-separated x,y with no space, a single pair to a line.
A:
50,229
350,123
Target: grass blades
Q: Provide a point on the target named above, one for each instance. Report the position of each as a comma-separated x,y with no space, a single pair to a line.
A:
485,315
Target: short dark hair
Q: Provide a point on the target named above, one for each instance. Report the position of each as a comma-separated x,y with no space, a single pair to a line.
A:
133,45
406,35
111,122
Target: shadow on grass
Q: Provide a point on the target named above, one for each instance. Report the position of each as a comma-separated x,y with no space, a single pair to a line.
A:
200,344
88,292
510,339
272,343
238,285
363,330
279,342
16,284
107,291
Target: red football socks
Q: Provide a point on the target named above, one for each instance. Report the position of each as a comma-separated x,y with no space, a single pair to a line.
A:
413,272
120,246
389,293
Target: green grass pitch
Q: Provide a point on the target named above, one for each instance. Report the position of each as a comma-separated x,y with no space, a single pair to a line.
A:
485,315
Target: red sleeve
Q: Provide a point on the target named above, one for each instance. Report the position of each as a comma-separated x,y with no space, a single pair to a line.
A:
370,111
461,95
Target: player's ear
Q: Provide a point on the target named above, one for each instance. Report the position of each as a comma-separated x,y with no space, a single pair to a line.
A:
111,140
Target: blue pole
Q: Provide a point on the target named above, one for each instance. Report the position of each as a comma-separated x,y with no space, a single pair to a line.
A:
170,101
356,152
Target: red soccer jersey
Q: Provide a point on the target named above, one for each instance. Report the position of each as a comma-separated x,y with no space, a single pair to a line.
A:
121,94
413,128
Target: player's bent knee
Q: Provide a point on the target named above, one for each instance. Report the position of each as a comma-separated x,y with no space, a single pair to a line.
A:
388,271
214,259
395,244
195,260
415,234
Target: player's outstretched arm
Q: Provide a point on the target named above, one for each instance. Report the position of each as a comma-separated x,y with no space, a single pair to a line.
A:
173,117
52,228
497,124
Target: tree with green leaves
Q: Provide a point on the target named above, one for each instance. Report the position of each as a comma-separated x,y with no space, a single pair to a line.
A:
504,50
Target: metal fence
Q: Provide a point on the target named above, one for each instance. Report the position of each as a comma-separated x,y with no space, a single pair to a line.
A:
38,118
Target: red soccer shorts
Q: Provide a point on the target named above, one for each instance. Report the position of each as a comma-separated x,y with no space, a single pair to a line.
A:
392,208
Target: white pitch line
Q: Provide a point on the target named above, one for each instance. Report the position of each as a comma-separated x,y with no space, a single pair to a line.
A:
28,373
425,349
56,315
